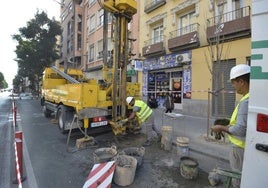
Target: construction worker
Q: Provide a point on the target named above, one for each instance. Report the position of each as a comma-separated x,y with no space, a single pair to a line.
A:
239,76
146,117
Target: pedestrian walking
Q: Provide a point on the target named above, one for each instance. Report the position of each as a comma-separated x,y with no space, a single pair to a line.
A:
239,76
169,102
152,102
146,117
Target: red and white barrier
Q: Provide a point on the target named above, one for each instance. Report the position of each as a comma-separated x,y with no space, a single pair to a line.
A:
193,91
18,149
101,175
18,157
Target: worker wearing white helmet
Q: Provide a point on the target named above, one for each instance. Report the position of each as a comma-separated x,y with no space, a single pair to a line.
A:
146,117
239,76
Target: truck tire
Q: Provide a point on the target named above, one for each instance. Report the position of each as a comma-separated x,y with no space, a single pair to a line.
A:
42,101
61,115
46,112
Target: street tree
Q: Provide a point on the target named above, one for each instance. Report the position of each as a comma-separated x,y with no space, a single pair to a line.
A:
3,83
37,46
216,56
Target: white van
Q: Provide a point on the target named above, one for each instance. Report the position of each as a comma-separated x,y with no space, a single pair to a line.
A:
255,167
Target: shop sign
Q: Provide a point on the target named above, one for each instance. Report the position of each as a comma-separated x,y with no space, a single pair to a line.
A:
131,72
167,61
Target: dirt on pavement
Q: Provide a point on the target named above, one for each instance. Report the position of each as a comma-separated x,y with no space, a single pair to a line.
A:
159,168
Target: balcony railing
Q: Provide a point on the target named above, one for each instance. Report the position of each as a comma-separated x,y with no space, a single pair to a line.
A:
154,46
152,5
230,25
184,38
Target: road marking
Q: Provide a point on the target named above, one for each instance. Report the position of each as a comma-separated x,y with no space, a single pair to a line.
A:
10,117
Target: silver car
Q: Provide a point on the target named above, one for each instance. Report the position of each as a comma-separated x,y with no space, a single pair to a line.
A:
26,96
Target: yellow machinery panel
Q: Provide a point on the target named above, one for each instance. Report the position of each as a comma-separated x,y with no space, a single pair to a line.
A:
133,89
102,96
128,6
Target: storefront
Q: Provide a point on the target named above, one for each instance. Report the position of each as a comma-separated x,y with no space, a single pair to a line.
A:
169,72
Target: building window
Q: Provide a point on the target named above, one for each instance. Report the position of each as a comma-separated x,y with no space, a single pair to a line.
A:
69,29
91,53
79,22
110,17
100,49
92,1
158,34
69,46
92,23
101,17
79,42
63,16
236,4
184,22
70,7
220,10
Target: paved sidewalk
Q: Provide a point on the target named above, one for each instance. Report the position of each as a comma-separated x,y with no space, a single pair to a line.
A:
209,152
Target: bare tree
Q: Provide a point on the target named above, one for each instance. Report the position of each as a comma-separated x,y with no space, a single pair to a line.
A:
213,59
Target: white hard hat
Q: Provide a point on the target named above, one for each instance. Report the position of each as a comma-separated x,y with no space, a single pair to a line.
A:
239,70
129,99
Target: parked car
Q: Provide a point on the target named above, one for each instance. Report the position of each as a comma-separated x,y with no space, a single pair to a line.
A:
26,96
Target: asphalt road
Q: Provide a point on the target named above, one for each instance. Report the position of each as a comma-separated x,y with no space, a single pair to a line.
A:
47,163
5,141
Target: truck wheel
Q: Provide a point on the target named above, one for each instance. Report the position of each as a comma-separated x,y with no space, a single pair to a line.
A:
42,101
62,118
46,112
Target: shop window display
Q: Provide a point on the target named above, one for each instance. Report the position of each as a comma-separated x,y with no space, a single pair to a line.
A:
176,88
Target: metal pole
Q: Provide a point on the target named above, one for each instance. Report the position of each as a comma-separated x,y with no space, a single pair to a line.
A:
208,113
105,37
115,67
74,34
124,61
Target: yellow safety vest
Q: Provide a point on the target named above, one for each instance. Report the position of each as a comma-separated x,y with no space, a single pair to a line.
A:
145,111
235,140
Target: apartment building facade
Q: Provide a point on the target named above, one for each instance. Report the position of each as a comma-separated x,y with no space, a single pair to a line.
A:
71,39
189,47
84,37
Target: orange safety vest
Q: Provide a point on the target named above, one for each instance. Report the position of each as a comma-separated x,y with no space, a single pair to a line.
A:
235,139
145,111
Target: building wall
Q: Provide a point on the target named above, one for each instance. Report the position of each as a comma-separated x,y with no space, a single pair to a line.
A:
141,29
66,17
201,78
237,49
91,38
93,68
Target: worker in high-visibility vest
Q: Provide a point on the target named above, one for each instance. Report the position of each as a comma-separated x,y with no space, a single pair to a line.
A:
239,76
145,116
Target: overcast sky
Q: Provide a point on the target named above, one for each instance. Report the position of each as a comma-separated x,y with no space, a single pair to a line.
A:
14,15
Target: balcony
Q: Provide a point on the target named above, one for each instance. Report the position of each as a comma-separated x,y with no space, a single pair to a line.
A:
229,26
153,4
184,38
154,46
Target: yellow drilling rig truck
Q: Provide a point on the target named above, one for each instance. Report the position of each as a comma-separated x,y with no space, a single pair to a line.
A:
94,103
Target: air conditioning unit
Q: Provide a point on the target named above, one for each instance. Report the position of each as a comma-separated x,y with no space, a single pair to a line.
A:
182,58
